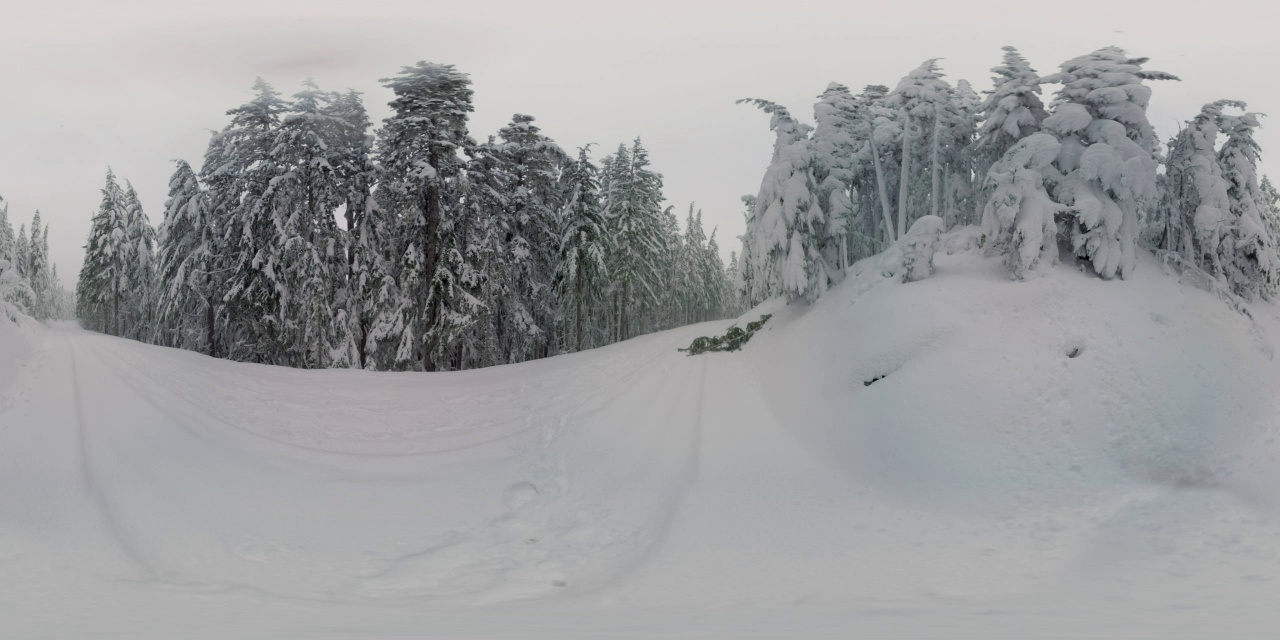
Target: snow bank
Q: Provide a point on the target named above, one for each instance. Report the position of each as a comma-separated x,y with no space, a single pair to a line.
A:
19,338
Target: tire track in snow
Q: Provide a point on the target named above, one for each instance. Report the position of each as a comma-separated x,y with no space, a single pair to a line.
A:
605,390
667,517
92,483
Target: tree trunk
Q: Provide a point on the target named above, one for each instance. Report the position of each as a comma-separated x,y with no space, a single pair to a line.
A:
952,217
624,329
361,347
208,318
353,301
577,332
431,242
351,234
319,340
937,176
882,188
903,182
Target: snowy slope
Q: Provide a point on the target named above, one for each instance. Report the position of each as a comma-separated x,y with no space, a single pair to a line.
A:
985,482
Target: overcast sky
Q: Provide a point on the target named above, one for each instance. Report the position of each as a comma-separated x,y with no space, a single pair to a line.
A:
135,84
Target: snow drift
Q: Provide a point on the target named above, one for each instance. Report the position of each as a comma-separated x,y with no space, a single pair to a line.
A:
962,452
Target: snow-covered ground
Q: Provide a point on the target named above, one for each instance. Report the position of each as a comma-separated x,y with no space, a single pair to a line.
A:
1058,457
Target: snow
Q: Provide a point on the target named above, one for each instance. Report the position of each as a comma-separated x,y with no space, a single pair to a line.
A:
1063,455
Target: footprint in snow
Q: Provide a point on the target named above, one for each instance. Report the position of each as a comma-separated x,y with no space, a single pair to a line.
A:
519,495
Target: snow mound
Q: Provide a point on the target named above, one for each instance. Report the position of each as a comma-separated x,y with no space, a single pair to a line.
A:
962,450
20,337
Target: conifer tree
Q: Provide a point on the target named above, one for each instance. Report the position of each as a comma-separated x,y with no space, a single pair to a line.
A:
921,97
356,175
528,167
308,252
418,151
1011,111
1108,157
1271,200
634,215
188,239
22,251
1193,216
795,243
1018,220
454,255
139,269
744,285
16,295
37,270
581,263
957,137
103,278
237,171
837,142
1250,260
8,242
880,133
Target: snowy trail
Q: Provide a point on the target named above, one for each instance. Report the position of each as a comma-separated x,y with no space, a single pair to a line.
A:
633,490
489,502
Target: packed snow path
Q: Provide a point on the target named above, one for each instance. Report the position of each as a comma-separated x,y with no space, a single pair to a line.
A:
986,479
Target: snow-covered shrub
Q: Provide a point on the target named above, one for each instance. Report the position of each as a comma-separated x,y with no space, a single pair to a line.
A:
918,246
1019,218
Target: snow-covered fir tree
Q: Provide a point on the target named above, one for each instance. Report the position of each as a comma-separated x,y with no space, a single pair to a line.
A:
529,165
673,274
236,173
8,241
881,140
1109,153
1194,213
309,255
22,250
16,296
1018,219
744,285
37,271
188,239
795,244
139,269
838,144
104,277
634,219
1249,260
419,154
1271,211
925,103
581,264
352,164
956,138
1011,111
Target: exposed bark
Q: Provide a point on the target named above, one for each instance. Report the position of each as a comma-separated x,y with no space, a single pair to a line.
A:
882,188
903,182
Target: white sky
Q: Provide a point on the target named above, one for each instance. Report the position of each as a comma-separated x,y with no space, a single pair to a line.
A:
134,84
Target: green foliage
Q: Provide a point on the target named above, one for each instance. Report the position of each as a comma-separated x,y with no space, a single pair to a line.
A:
732,340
